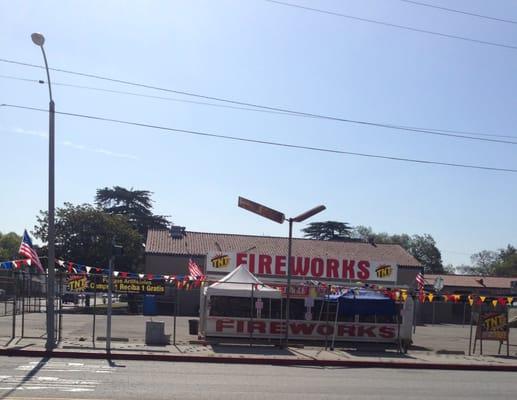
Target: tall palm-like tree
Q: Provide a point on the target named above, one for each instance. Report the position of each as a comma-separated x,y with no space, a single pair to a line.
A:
329,230
135,205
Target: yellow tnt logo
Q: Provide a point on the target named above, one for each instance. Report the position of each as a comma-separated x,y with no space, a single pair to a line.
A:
220,261
384,271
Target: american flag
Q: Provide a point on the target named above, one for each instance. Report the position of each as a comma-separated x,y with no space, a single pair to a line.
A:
193,270
28,251
420,282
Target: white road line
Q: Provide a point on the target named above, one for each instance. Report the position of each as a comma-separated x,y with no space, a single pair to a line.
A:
57,383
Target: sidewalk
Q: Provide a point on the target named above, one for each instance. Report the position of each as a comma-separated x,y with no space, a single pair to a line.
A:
434,347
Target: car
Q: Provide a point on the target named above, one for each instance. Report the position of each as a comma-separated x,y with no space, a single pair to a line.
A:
70,298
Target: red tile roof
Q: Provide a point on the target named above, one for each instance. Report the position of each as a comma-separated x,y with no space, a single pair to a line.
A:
473,281
200,243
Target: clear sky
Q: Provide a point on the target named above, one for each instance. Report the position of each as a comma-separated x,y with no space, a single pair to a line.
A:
259,52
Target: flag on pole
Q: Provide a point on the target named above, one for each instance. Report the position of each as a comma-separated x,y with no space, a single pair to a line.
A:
193,270
28,251
420,282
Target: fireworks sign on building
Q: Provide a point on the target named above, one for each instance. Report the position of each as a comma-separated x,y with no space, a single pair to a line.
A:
305,267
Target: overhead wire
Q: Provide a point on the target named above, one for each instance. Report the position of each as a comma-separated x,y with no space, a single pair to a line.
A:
257,107
397,26
143,95
266,142
419,3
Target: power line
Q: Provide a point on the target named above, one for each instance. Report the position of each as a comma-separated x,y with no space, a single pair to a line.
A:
407,28
144,95
265,142
263,108
418,3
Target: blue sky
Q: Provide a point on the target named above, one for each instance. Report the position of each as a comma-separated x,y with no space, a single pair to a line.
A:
255,51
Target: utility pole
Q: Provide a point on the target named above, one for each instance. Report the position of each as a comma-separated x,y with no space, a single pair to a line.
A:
38,39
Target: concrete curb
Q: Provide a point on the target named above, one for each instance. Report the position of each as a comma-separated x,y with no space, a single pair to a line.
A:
260,360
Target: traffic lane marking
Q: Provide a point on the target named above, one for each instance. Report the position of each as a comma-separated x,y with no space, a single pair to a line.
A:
50,398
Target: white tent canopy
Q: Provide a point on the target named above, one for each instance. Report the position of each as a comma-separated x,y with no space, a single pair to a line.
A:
241,283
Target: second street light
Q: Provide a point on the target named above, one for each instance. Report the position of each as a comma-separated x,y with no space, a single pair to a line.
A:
279,217
38,39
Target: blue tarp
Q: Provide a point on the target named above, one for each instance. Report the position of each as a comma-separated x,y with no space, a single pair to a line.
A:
364,302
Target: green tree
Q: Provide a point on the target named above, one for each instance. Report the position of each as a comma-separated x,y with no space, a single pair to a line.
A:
422,247
483,263
506,262
329,230
84,235
135,205
9,246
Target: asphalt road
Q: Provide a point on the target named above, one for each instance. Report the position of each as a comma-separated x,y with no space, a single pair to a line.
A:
28,378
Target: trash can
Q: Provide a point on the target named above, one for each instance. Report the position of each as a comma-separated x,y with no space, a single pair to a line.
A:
149,305
155,333
193,326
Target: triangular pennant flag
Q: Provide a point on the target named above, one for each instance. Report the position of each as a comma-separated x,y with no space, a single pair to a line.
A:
28,262
471,301
510,300
123,274
457,297
430,296
482,298
502,301
60,263
16,264
150,277
88,269
404,295
115,273
166,277
141,276
445,297
494,303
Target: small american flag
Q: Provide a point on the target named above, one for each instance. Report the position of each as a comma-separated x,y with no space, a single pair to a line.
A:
420,282
28,251
193,270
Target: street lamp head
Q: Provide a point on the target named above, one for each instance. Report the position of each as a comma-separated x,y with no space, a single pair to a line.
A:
38,39
308,214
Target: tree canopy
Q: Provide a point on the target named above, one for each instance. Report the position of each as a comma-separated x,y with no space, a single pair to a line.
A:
497,263
422,247
329,230
135,205
9,246
84,234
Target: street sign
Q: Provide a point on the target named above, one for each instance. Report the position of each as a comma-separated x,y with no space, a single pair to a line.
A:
261,210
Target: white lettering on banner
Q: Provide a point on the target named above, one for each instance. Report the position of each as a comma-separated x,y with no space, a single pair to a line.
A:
306,267
306,330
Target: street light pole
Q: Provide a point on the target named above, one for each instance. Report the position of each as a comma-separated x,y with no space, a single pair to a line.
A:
38,39
279,217
289,273
300,218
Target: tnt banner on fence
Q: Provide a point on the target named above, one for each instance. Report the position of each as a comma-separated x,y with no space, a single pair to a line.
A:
83,283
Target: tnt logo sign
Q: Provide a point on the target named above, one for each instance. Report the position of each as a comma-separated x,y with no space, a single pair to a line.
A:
220,261
384,271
